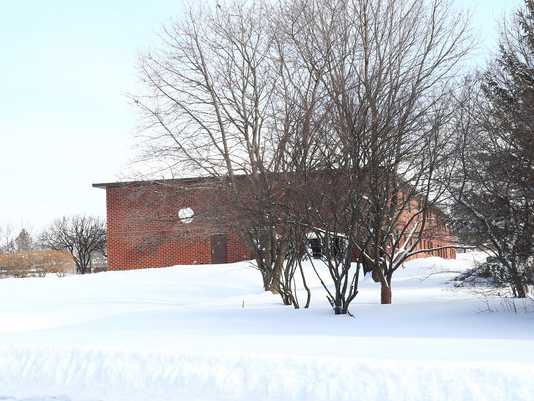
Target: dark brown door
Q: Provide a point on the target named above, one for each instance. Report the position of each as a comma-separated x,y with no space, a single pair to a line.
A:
219,249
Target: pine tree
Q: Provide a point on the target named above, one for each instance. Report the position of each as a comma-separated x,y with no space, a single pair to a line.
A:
497,192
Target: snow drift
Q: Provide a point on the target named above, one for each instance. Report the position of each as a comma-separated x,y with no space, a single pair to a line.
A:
211,333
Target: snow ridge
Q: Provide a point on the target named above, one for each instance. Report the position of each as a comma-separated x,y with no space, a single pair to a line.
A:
28,373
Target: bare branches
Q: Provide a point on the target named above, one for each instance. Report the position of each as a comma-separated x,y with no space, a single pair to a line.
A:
386,69
335,113
81,236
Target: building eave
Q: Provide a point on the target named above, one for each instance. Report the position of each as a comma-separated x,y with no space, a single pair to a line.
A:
165,181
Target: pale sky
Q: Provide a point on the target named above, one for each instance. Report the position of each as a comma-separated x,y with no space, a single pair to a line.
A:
65,122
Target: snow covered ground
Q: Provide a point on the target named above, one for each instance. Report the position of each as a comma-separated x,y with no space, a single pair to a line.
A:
209,333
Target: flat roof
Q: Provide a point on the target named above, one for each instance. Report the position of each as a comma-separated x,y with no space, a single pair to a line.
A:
187,180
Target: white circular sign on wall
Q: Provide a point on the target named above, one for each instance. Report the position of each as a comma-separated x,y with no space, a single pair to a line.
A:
186,215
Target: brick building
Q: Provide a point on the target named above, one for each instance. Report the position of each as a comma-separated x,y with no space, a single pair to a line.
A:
168,222
183,221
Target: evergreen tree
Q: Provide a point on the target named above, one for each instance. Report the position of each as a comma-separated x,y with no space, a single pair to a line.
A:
24,241
495,197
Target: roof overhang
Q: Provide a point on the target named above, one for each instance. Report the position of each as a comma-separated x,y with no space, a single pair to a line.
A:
168,181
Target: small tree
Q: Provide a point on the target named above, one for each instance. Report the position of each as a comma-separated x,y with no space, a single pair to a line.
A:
7,243
81,236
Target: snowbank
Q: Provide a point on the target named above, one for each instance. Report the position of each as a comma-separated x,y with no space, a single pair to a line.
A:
129,376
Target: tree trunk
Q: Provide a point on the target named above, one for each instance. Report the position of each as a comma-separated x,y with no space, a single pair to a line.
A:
305,284
521,290
278,267
266,273
340,310
274,287
519,287
266,281
385,294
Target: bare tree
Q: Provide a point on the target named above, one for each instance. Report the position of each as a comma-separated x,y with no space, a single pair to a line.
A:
81,236
7,242
223,100
388,69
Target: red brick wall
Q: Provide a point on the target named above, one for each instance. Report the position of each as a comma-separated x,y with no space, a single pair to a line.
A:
436,233
144,229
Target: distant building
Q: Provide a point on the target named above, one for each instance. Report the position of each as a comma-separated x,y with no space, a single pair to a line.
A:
184,221
36,262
